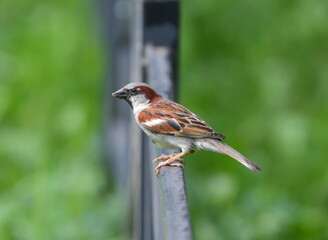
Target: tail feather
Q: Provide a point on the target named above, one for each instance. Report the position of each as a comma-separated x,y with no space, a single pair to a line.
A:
221,147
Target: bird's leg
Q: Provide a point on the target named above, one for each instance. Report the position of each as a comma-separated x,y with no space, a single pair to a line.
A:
170,160
164,157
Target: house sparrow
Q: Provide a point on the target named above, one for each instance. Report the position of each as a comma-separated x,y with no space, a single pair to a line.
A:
172,126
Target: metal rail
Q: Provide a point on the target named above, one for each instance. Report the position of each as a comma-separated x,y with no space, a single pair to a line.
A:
149,53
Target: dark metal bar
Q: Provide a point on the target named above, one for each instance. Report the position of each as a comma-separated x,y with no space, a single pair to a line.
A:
177,224
140,162
114,25
143,40
121,27
161,34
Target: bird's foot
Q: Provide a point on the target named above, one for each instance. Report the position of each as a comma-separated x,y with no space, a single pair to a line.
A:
172,161
162,157
165,157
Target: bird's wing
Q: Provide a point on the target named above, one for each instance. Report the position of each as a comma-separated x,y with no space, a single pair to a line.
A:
167,117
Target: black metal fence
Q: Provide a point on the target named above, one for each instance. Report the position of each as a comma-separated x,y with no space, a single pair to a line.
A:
144,46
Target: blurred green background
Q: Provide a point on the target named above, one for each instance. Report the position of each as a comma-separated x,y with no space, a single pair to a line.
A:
256,71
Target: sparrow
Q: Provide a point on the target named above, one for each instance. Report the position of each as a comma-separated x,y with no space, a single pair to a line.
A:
172,126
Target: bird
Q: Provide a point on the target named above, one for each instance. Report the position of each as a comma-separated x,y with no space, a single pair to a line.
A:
172,126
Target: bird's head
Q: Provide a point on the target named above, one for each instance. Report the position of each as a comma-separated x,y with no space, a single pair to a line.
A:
138,95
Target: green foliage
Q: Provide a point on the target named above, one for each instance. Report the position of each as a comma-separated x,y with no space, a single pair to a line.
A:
50,71
255,70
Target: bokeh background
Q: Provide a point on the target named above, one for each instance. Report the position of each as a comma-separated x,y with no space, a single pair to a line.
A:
256,71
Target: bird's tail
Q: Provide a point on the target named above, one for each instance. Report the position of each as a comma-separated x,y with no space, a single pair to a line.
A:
221,147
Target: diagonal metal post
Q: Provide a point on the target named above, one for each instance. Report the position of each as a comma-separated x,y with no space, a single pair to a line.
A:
144,47
160,41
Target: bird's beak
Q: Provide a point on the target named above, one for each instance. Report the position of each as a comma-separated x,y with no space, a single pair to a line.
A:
120,94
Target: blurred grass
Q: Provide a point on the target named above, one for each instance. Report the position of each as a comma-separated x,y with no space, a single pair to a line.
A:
255,70
51,175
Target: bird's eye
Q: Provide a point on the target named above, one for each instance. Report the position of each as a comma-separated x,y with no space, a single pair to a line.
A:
134,90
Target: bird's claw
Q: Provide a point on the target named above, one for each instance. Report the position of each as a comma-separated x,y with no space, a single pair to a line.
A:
176,163
162,157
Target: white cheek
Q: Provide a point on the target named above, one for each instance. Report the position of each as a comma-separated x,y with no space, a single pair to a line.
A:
139,103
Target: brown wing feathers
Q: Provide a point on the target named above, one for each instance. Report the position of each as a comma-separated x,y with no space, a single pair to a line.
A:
173,119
